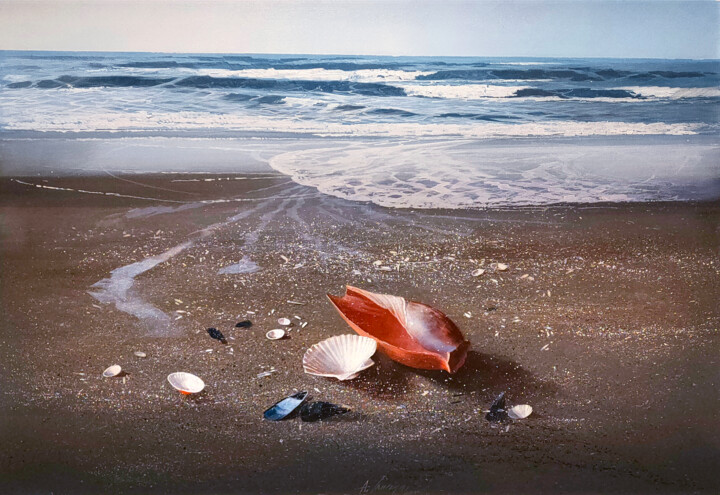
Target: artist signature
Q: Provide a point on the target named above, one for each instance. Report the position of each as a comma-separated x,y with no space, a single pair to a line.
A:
384,486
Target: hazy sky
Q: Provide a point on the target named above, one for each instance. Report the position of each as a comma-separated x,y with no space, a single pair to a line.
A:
579,28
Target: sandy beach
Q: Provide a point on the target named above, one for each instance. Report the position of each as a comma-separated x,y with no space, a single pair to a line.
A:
605,322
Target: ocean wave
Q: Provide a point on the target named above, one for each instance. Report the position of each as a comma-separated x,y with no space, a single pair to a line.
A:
88,120
364,75
465,91
575,93
485,74
673,93
365,89
247,62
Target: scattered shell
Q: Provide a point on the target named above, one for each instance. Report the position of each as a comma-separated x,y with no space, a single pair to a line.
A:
377,262
113,370
285,407
284,321
502,267
314,411
341,357
409,332
497,413
275,334
520,412
478,272
140,354
217,335
186,383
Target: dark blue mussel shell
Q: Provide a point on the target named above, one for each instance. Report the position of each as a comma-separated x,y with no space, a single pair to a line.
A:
285,407
497,413
316,411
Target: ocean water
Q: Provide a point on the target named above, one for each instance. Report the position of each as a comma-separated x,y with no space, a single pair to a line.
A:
408,132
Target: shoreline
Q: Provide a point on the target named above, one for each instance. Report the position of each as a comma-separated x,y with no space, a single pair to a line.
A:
612,337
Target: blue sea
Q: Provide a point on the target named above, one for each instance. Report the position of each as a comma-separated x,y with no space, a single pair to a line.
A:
407,132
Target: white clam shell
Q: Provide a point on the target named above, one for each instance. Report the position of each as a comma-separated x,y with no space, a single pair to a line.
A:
113,370
275,334
284,321
140,354
186,383
520,412
341,357
502,267
478,272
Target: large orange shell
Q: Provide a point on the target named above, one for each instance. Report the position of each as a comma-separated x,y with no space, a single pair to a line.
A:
411,333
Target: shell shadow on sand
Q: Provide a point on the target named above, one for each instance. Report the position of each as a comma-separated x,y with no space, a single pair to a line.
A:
488,372
482,373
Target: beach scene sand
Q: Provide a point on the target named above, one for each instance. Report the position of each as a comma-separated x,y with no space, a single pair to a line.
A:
167,212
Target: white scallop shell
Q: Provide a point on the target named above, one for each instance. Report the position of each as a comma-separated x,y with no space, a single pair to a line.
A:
284,322
276,334
520,412
186,383
341,357
113,370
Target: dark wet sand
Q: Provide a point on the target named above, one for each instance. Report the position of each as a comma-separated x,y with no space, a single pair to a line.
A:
612,338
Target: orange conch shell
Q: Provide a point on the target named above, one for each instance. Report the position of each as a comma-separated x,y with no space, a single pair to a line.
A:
411,333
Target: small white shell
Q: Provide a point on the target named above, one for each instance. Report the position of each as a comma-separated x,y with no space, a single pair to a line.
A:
341,357
186,383
275,334
520,412
502,267
478,272
284,321
113,370
140,354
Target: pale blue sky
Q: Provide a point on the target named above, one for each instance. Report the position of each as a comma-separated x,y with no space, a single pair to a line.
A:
568,28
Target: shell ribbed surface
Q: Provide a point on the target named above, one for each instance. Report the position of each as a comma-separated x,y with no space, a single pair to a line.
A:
341,357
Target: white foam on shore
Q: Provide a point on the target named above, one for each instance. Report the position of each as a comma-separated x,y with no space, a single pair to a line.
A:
118,290
467,174
245,265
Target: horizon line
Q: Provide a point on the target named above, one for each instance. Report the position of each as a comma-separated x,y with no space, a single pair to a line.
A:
362,55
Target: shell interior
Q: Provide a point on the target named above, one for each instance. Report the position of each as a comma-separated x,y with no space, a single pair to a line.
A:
520,412
276,334
285,407
186,382
341,357
113,370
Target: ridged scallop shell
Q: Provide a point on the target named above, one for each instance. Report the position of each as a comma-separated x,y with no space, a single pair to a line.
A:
341,357
186,383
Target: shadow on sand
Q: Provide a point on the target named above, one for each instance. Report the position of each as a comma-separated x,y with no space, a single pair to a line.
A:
482,374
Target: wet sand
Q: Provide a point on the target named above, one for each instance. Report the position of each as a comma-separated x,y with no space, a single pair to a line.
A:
612,337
